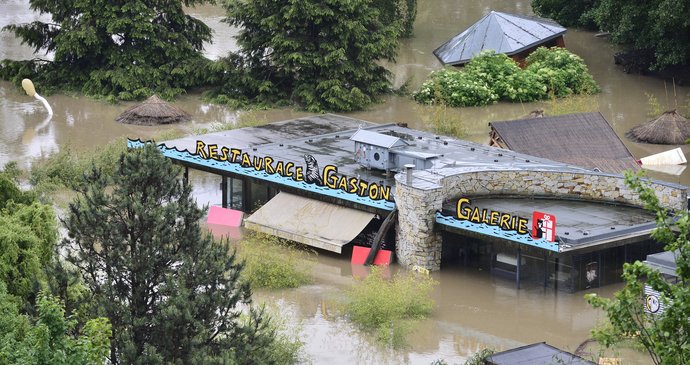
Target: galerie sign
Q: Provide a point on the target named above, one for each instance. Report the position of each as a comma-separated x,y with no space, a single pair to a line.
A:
310,173
543,225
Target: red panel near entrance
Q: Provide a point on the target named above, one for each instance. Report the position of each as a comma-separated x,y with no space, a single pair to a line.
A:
223,216
359,255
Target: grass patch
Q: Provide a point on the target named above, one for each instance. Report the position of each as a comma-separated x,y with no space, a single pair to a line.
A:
571,104
66,168
388,308
273,263
446,121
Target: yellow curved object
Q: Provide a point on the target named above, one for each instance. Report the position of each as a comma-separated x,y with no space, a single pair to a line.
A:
28,87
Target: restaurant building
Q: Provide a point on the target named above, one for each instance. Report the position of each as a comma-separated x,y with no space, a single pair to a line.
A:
331,181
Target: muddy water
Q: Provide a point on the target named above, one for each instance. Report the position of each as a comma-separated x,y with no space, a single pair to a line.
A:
473,310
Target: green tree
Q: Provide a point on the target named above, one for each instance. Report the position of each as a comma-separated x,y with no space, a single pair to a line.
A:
116,49
28,234
51,338
569,13
171,293
399,12
665,336
321,54
658,28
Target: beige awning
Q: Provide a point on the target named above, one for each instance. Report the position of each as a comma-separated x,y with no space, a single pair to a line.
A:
312,222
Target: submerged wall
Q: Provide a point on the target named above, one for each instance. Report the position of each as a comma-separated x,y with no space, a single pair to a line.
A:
419,244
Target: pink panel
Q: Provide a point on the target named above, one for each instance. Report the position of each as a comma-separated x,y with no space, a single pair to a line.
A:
359,255
223,216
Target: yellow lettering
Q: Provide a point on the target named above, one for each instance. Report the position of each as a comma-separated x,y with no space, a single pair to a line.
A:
522,226
329,177
362,188
246,161
463,211
288,169
476,218
268,164
258,163
494,218
299,176
235,153
505,222
385,192
374,191
279,168
200,145
342,183
213,151
353,185
224,154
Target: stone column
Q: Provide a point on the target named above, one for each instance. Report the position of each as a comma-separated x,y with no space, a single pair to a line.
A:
417,242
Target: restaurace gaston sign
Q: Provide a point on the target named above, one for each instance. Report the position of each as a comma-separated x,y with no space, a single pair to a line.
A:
543,225
311,174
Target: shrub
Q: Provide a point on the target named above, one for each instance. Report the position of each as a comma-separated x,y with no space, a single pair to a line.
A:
562,72
489,77
272,263
387,307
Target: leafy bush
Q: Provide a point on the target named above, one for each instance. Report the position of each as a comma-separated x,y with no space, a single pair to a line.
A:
271,263
562,72
489,77
386,307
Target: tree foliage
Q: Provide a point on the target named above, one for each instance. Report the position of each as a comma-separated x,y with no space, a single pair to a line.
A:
657,27
665,335
572,13
320,54
490,77
50,338
399,12
171,293
120,50
28,234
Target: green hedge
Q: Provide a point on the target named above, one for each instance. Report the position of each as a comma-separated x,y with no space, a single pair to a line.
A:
490,77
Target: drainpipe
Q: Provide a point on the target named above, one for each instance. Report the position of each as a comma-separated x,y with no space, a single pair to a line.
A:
408,173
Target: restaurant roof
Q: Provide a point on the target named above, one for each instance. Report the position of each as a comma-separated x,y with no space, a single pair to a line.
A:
500,32
582,139
536,354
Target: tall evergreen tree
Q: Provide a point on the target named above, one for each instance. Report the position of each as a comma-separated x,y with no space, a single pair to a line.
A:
171,293
323,55
116,49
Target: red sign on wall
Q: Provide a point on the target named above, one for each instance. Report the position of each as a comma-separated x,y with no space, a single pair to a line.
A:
543,226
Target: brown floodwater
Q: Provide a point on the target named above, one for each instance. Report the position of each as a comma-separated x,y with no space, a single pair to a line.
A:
473,310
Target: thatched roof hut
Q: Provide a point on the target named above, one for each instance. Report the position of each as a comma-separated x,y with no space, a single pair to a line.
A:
153,111
583,139
668,128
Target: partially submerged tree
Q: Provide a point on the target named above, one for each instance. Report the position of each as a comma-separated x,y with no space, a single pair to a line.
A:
51,338
322,55
119,50
665,336
171,293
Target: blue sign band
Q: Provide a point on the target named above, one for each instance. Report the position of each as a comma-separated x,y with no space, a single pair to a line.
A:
235,168
495,231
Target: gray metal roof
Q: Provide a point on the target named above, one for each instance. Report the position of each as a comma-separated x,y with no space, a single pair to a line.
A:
376,139
536,354
665,262
500,32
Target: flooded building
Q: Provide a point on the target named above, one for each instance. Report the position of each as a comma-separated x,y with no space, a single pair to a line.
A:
513,35
329,180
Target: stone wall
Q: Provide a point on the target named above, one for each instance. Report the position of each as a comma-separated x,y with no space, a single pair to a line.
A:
582,186
418,243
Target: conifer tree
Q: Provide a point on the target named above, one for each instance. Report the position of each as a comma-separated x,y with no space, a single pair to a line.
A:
171,293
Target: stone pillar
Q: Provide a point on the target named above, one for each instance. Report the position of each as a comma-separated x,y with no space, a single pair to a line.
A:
417,242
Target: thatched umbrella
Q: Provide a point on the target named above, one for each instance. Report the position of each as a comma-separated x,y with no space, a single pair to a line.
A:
669,128
153,111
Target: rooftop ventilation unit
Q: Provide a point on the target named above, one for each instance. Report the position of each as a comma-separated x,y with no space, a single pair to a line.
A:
383,152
